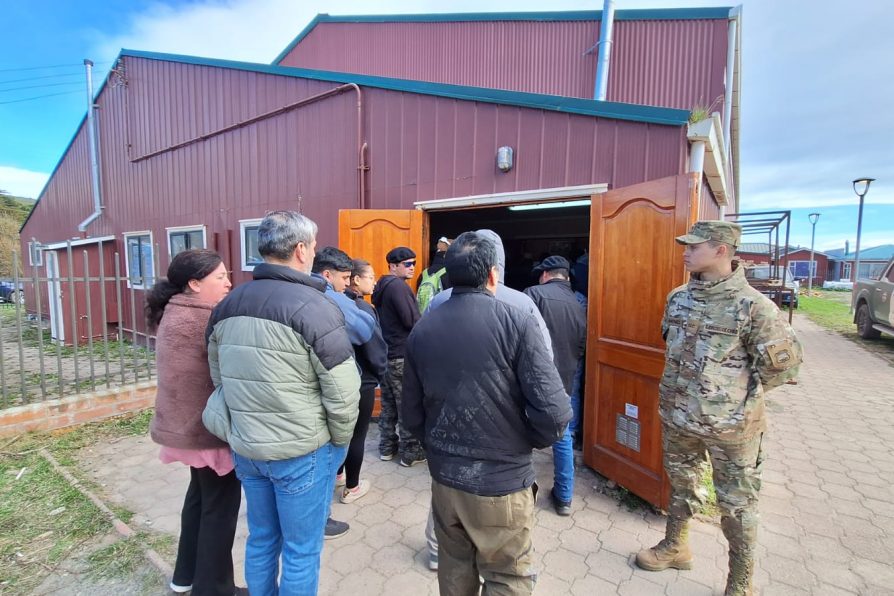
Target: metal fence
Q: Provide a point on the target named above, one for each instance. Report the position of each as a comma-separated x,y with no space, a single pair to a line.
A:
77,329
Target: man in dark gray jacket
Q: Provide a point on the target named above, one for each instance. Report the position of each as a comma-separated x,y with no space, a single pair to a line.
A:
480,391
285,399
567,323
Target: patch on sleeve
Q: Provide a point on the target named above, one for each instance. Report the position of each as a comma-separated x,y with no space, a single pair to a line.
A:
781,354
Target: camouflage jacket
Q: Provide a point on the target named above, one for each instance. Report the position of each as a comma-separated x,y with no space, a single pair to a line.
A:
727,344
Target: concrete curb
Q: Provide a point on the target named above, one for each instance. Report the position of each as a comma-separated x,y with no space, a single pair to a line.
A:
122,528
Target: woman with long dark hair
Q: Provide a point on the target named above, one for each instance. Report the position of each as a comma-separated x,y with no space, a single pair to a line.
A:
372,359
179,307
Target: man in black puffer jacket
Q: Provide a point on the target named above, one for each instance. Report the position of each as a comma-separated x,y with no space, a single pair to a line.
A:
481,392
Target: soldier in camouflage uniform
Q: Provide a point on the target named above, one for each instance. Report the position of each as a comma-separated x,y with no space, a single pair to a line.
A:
727,345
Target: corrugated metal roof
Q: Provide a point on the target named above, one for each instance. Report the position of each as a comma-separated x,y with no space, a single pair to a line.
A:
763,247
679,14
876,253
557,103
424,144
571,105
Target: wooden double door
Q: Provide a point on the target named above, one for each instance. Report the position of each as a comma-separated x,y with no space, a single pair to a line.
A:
634,263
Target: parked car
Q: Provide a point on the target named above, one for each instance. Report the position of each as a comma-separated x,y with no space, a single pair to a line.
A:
10,293
766,277
872,304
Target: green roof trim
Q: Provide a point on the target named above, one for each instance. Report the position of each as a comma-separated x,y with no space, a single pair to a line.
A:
650,14
556,103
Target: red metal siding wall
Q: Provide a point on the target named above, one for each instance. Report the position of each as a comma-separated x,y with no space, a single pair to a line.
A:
424,148
420,147
672,63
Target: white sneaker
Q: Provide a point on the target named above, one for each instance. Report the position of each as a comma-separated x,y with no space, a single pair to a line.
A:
179,589
349,495
340,479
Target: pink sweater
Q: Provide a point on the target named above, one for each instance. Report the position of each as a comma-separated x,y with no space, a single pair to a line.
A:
184,379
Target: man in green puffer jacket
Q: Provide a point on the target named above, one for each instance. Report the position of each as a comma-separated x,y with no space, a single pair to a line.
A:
286,400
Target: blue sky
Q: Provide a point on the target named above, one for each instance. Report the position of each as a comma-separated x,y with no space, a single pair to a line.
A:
815,107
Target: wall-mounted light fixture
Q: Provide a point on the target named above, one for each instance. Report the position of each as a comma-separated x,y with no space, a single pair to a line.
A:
504,158
551,205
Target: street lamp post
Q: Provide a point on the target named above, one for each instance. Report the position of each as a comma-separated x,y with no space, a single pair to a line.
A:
861,187
813,217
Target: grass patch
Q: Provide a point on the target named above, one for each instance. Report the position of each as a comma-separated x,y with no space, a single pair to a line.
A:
709,508
65,444
43,519
32,336
831,310
122,558
828,312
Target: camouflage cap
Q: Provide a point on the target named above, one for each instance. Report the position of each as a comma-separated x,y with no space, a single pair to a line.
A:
719,231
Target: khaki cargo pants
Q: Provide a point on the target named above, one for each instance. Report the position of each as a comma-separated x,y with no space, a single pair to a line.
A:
486,536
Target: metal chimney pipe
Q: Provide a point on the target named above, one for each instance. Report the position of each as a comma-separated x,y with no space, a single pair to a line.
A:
94,163
605,50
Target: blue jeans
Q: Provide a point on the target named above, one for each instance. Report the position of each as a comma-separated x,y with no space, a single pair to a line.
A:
575,423
287,503
563,468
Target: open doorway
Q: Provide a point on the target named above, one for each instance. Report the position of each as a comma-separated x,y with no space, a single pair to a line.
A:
529,233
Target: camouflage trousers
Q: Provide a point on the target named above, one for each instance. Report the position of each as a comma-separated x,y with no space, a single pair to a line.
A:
737,482
393,439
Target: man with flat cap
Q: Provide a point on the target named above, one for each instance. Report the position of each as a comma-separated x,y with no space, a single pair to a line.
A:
727,345
395,303
566,320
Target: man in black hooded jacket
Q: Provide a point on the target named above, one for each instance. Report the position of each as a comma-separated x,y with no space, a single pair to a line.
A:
481,392
395,303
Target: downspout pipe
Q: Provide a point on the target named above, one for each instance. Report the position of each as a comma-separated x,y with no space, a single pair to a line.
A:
697,166
94,162
605,50
730,82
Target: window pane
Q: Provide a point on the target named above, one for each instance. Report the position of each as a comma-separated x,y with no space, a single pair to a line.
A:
801,268
133,259
178,243
139,260
194,239
250,242
148,268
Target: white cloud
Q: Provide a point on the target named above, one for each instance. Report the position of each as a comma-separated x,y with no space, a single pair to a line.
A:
22,183
867,240
258,30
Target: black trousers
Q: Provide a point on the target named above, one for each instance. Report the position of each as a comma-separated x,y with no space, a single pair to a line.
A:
354,459
207,531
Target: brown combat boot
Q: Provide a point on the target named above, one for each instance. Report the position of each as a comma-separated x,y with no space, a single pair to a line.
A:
738,582
673,551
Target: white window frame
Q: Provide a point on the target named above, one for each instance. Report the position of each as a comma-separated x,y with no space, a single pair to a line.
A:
846,270
791,267
35,249
127,235
186,229
244,224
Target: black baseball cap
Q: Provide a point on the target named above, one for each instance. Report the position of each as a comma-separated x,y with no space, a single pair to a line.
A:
552,262
401,253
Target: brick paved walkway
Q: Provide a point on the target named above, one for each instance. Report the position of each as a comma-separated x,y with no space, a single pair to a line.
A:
827,516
